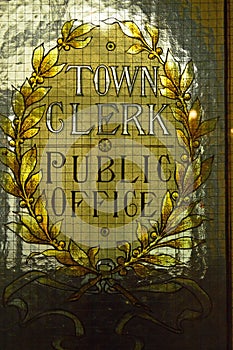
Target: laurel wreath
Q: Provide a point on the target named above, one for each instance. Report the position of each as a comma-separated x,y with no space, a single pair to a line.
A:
178,207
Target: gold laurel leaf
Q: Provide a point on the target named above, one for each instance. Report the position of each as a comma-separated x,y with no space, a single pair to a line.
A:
141,270
161,260
191,221
206,167
125,247
179,115
192,173
6,126
92,252
38,55
33,118
55,229
62,256
53,71
128,28
142,235
80,44
75,271
37,95
182,139
182,243
194,117
167,207
154,33
33,226
41,211
49,60
187,77
135,49
78,255
9,159
81,30
66,28
167,83
18,103
26,89
33,183
168,93
29,134
9,185
23,232
206,127
172,69
179,175
178,214
28,164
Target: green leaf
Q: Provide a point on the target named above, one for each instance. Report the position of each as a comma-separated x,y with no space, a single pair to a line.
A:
77,253
161,260
33,226
141,270
92,252
33,183
167,207
26,89
125,247
18,103
30,133
172,69
168,93
187,77
37,57
154,33
142,235
66,28
33,118
182,243
55,229
9,185
53,71
37,95
206,127
135,49
23,232
129,28
6,126
8,158
81,30
21,282
80,44
28,164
